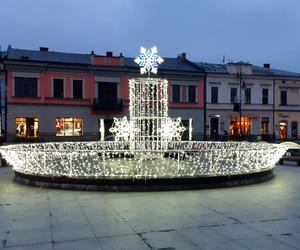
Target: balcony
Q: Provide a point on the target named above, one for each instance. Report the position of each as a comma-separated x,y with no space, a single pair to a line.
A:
108,104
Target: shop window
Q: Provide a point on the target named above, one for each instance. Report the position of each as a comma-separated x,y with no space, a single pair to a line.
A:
26,87
77,89
58,88
240,127
214,94
69,126
283,130
294,130
265,96
214,127
265,125
108,123
27,127
283,97
185,134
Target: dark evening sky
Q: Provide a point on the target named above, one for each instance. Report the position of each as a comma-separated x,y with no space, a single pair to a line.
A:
257,31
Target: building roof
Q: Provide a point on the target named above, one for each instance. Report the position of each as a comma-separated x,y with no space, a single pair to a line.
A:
256,70
172,64
213,67
47,56
175,64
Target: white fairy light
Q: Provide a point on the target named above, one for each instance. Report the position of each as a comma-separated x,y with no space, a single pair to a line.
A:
114,160
172,129
190,128
148,60
101,129
121,129
148,145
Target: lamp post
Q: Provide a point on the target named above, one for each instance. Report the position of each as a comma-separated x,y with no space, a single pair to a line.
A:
241,78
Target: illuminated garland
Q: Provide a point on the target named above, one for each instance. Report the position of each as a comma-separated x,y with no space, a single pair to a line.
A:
115,160
148,145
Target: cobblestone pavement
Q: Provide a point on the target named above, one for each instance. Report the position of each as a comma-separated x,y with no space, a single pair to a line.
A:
260,216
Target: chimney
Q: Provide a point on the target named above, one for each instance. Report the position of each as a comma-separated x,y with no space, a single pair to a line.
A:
183,56
266,65
109,54
45,49
92,57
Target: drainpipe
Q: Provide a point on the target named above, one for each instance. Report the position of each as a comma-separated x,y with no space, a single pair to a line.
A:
3,105
273,109
204,101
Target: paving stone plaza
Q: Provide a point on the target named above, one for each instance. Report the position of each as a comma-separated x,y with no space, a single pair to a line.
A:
260,216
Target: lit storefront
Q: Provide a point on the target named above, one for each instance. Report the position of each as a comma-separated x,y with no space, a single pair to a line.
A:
283,130
239,126
287,125
251,126
69,126
27,127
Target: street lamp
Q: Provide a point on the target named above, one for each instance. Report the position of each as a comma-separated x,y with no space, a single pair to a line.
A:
243,87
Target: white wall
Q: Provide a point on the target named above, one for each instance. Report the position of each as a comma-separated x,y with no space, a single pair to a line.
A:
226,83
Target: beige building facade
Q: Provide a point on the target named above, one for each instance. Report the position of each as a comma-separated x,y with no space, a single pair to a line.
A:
287,108
239,102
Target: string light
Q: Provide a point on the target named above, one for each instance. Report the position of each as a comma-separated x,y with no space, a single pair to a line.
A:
148,145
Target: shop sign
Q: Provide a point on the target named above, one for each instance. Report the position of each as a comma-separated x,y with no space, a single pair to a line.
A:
283,115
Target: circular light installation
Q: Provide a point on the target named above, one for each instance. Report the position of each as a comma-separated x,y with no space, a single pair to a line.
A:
148,145
111,160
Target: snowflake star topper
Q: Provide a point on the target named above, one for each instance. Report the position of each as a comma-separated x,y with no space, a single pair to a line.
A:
148,60
121,129
172,129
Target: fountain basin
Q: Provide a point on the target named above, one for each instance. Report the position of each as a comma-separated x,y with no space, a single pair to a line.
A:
113,166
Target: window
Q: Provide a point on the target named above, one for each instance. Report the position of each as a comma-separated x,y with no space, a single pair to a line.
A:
68,126
233,95
77,89
26,87
184,93
192,94
294,130
265,96
214,94
27,127
283,97
107,91
58,88
265,125
248,96
176,93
